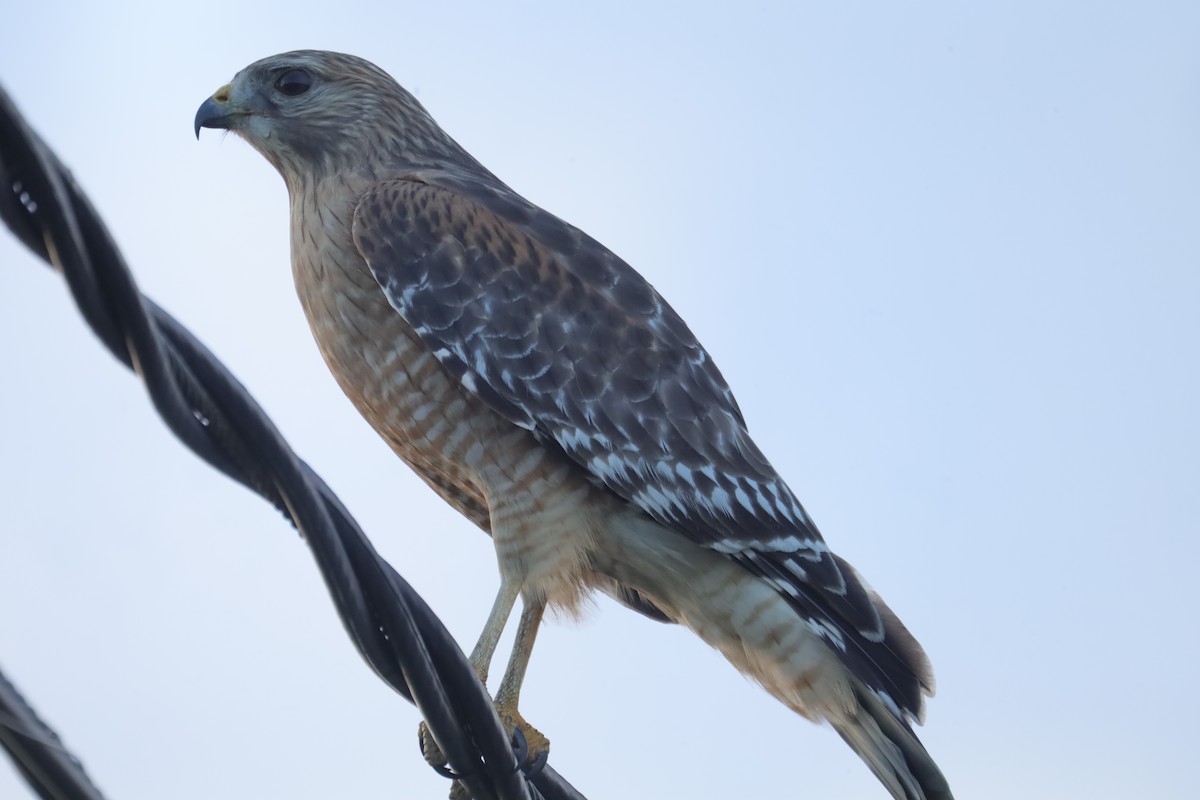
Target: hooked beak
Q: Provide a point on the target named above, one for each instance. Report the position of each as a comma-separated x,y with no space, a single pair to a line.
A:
218,111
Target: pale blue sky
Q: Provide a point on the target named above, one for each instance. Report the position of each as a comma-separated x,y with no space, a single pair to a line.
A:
945,254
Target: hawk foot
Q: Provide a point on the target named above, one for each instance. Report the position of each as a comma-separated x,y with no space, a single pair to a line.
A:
437,759
432,753
530,747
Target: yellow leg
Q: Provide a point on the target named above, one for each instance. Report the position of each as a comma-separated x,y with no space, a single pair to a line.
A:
481,657
509,695
485,648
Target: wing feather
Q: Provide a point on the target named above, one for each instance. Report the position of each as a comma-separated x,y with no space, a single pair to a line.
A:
564,339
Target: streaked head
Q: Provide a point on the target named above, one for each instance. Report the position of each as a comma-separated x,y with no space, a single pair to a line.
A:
311,112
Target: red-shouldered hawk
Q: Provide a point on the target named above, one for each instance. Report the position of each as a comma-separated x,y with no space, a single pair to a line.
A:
545,390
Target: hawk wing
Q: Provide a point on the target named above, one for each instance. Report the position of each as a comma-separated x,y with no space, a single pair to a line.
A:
565,339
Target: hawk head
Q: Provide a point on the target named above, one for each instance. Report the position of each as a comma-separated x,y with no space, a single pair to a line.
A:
312,113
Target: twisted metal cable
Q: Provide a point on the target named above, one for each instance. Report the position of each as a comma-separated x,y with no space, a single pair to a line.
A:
393,629
37,751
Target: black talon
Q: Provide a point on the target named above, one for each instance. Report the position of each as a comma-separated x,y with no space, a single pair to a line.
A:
441,769
539,763
520,748
521,752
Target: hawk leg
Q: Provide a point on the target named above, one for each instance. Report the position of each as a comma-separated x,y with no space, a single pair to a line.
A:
509,692
485,648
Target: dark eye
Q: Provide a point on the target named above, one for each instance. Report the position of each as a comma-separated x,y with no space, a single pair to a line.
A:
294,82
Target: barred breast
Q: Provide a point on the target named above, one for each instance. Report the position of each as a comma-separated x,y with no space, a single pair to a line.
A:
531,499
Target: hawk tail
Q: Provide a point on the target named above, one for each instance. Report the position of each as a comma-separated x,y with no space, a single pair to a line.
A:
890,748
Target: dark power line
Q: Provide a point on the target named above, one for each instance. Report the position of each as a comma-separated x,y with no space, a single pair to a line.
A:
209,411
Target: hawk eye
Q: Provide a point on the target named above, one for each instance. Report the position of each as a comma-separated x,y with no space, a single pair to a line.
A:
294,82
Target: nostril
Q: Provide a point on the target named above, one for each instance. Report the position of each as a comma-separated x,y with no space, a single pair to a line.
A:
222,95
